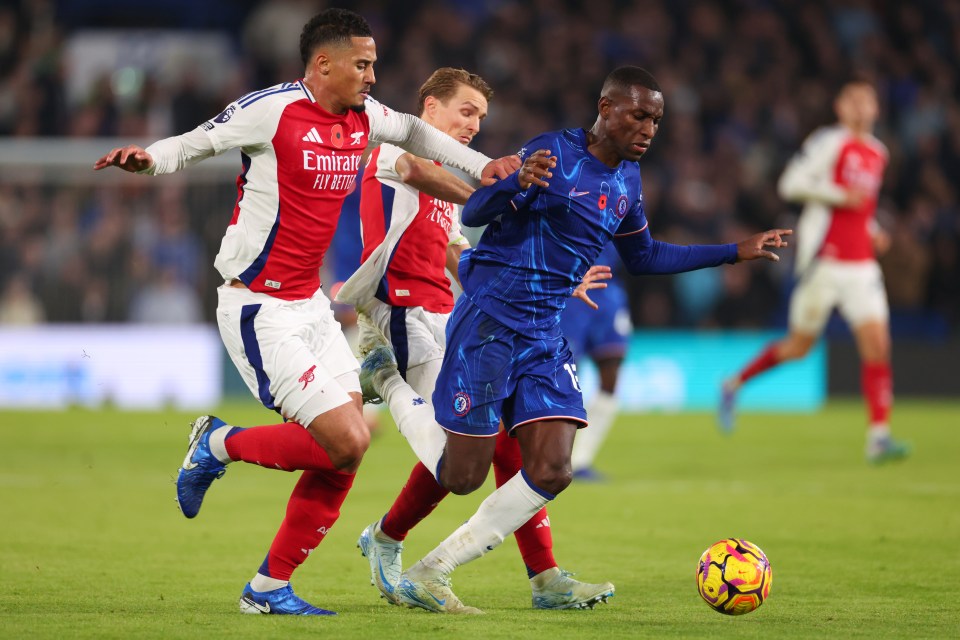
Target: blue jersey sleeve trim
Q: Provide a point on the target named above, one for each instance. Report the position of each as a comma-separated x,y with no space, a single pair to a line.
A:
630,233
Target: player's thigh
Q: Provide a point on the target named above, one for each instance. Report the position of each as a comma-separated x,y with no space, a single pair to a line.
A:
235,307
342,431
547,386
864,298
290,354
466,461
813,299
477,373
422,378
545,446
416,335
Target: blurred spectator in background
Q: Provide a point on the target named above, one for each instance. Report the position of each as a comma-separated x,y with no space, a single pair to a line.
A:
18,305
166,299
745,81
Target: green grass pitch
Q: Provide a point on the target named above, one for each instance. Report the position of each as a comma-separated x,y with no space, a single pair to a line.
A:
93,545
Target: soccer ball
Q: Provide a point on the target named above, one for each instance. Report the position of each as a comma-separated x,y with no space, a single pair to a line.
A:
734,576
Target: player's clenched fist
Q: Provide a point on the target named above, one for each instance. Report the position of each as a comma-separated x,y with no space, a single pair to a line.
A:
535,168
129,158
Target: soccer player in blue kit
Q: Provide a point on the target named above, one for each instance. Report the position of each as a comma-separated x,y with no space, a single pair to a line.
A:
547,224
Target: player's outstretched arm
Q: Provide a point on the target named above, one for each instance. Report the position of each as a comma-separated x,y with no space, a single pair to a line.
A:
163,156
756,246
412,134
129,158
493,200
428,178
592,279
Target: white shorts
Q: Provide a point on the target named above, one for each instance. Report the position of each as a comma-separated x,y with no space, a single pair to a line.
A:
855,288
291,354
418,336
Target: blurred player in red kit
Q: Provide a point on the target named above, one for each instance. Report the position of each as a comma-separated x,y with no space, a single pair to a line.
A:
837,176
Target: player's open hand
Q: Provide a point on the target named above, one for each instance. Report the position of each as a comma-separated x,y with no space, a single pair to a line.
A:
129,158
535,168
499,169
755,246
592,280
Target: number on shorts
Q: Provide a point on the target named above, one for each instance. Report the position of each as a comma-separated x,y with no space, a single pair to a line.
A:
572,370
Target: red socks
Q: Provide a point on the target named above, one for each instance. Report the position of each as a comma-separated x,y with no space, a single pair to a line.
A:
312,510
314,505
876,381
534,538
418,498
286,446
766,360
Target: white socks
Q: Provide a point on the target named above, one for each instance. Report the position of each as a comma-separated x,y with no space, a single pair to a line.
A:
218,445
263,583
502,513
414,417
601,414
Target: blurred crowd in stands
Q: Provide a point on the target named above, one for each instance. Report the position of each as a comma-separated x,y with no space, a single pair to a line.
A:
744,82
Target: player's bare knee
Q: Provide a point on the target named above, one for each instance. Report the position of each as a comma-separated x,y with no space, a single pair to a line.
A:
794,348
552,478
351,447
347,448
463,481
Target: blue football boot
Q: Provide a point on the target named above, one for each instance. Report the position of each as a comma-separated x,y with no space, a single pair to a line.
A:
281,601
200,467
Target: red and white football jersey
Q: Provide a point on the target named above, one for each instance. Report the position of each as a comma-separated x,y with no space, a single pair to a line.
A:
831,162
413,272
299,163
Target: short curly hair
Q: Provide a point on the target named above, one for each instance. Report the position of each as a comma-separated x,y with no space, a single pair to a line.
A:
332,25
622,78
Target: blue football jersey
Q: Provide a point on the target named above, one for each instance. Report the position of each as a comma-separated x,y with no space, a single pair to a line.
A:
528,261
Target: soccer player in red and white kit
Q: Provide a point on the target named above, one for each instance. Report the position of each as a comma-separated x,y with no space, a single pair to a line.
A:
410,238
837,176
301,144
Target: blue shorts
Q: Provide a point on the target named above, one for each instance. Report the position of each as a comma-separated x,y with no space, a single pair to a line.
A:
598,333
491,372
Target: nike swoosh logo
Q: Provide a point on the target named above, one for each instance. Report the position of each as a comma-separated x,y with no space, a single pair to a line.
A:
262,608
383,577
576,194
438,600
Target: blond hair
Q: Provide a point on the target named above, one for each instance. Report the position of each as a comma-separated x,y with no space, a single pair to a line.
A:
444,82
